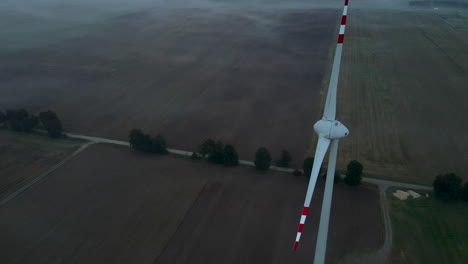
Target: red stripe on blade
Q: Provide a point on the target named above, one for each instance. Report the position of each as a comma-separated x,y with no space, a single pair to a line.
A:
340,38
343,20
346,2
301,227
295,245
305,210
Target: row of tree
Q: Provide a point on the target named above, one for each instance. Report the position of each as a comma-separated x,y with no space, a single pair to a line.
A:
353,176
218,153
145,143
21,121
448,187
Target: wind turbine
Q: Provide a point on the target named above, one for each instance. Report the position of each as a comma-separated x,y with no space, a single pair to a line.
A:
329,131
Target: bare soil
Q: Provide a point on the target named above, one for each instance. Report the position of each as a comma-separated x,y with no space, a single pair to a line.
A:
112,205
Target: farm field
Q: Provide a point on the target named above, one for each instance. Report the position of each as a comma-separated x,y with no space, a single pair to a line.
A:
248,74
403,94
112,205
23,157
427,230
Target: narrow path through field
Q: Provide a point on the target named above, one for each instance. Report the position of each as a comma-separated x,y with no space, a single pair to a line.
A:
181,222
43,175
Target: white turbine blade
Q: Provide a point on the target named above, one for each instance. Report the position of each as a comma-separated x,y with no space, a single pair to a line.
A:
321,247
322,146
330,104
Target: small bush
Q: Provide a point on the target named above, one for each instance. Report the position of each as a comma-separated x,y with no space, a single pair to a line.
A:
139,141
207,147
216,154
230,156
29,123
20,120
448,187
336,179
297,173
307,166
353,173
51,123
285,159
262,159
195,156
145,143
465,192
2,119
158,145
14,119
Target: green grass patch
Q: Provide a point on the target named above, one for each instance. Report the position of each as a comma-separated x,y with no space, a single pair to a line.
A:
25,156
427,230
458,23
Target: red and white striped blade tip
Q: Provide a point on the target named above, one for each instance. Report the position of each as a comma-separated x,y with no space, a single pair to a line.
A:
305,210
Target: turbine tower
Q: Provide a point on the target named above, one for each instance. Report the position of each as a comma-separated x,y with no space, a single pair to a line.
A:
329,131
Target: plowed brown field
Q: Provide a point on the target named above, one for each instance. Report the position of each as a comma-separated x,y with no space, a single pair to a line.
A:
112,205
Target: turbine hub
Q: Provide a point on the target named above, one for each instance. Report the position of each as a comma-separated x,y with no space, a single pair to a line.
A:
331,129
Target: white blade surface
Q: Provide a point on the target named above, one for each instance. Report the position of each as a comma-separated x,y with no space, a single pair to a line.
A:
322,146
321,247
330,105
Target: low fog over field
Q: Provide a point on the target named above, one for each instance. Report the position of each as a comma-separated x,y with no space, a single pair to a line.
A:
251,73
247,73
30,23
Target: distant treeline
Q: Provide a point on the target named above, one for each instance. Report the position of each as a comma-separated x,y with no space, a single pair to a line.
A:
21,121
213,151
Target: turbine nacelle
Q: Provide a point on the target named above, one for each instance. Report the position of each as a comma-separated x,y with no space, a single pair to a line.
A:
331,129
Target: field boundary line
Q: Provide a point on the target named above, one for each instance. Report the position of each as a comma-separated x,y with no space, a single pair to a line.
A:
181,222
43,175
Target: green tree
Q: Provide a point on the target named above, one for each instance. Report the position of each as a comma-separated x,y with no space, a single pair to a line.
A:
139,141
158,145
307,166
262,159
336,178
465,192
297,173
216,154
447,186
354,173
207,147
285,159
51,123
29,123
231,158
2,119
195,156
15,119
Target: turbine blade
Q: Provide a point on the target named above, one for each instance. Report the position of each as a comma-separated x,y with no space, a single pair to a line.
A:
322,146
329,112
321,247
330,104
